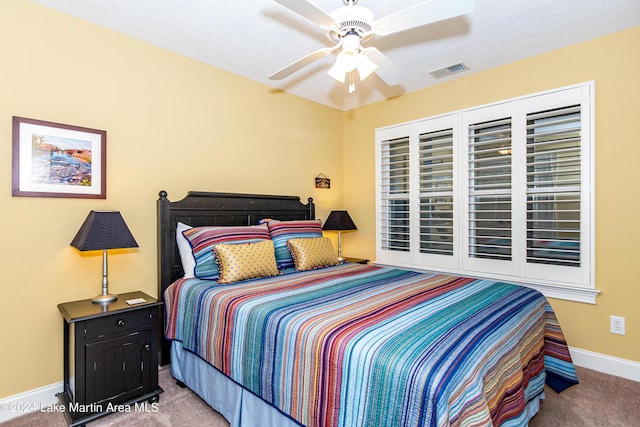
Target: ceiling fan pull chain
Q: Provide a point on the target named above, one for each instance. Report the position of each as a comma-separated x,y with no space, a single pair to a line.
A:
352,82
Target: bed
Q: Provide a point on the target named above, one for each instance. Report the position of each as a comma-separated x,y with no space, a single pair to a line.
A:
344,344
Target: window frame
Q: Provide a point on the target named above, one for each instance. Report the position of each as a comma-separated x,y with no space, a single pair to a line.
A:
575,283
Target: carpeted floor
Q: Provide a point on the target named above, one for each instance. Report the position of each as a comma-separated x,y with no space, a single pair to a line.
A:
598,401
177,407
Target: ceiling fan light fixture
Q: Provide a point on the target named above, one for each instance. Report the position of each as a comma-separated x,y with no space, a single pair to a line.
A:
365,66
337,73
345,63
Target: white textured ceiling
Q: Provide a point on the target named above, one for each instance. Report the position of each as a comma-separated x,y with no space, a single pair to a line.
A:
254,38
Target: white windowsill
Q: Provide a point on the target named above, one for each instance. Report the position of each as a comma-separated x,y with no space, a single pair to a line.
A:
563,292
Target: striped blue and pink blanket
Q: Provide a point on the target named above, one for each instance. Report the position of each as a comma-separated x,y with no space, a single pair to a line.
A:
360,345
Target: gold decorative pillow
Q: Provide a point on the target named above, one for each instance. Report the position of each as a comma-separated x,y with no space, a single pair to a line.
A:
309,253
241,261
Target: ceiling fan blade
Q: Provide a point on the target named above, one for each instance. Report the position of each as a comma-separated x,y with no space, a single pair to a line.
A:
422,14
308,10
301,63
387,70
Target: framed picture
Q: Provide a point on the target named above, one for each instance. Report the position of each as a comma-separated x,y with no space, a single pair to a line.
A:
57,160
322,181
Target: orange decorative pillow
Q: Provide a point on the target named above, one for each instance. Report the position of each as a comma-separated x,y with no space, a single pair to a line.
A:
309,253
242,261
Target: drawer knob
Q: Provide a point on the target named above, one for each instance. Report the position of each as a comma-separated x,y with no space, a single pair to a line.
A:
147,347
120,322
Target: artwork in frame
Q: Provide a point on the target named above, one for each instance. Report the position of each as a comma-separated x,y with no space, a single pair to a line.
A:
322,181
58,160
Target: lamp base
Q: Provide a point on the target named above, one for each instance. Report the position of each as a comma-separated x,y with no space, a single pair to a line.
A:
104,299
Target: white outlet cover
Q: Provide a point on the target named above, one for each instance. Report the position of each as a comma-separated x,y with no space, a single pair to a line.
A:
617,325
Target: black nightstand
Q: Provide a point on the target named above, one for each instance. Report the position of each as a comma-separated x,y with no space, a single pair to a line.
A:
357,260
110,356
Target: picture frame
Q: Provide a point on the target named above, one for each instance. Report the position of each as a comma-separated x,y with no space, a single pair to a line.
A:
58,160
323,182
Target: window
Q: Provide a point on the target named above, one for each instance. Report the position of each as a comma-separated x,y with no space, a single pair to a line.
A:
501,191
435,152
489,185
553,186
395,229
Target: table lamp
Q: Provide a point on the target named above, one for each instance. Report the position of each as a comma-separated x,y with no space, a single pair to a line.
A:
103,230
339,221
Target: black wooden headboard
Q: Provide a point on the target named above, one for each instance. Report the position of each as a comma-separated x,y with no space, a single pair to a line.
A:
204,208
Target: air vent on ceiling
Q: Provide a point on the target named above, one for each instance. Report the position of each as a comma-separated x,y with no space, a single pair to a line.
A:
447,71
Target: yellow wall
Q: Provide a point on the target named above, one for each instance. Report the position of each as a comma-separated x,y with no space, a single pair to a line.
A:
172,124
613,63
176,124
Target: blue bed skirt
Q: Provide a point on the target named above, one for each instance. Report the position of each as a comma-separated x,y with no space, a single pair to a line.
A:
239,406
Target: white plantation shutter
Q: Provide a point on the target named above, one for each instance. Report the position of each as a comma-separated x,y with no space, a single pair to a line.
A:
554,186
435,180
489,184
395,219
502,191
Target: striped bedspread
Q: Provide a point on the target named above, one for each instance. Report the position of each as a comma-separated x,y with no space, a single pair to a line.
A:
360,345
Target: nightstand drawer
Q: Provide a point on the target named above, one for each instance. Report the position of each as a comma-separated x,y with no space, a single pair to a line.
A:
117,323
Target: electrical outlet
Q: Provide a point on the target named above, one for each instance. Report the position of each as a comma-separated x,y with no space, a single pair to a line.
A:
617,325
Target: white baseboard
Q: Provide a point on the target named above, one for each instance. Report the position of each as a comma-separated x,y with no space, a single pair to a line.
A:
611,365
40,398
37,399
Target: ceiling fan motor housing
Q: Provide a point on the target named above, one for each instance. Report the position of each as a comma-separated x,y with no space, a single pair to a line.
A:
353,18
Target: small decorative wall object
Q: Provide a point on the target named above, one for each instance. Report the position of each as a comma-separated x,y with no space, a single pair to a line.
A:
322,181
58,160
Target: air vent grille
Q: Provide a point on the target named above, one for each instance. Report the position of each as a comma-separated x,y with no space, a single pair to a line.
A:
447,71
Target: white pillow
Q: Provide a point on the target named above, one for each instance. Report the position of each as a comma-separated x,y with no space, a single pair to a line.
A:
184,248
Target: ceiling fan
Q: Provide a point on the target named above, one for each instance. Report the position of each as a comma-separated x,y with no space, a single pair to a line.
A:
350,26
